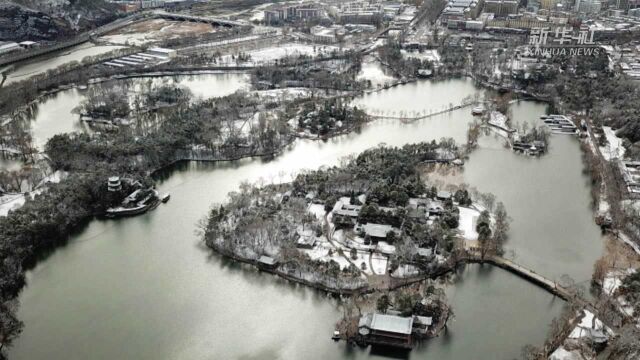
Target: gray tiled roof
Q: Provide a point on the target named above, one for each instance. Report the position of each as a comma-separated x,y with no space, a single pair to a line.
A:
391,323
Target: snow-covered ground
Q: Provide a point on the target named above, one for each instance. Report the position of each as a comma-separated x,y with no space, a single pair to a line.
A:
587,327
379,263
603,207
467,223
10,202
325,251
257,15
279,52
317,210
14,201
614,148
288,93
386,248
563,354
612,281
406,271
155,30
498,119
592,146
429,55
372,70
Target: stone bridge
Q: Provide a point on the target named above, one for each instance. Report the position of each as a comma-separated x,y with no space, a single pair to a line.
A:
543,282
193,18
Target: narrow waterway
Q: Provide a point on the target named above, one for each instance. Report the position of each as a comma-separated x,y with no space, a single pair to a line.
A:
549,200
146,288
27,69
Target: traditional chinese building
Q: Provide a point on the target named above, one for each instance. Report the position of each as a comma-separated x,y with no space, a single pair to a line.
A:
390,330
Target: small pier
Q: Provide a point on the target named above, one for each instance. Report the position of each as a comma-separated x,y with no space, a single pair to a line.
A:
560,124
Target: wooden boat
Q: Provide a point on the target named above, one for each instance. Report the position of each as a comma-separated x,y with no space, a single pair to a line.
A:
165,197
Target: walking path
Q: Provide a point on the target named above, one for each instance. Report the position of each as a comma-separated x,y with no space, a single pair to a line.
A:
408,119
548,284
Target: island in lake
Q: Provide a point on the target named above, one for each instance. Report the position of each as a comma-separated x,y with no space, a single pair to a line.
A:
371,228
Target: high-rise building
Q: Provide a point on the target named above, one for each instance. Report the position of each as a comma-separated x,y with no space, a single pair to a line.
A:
588,6
549,4
501,8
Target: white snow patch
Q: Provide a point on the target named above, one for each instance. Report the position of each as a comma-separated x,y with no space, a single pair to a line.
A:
317,210
321,252
386,248
379,263
613,280
372,70
614,148
587,325
563,354
498,119
363,257
10,202
429,55
406,271
287,93
279,52
467,223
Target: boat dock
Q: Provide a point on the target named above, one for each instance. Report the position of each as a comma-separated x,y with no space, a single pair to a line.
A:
560,124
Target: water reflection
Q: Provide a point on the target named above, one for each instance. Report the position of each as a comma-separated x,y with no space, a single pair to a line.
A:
54,114
146,287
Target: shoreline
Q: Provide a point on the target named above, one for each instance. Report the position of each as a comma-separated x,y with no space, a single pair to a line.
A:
284,275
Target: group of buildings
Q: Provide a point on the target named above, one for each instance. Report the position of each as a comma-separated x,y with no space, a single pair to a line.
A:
630,171
137,5
152,56
397,13
476,15
630,62
349,12
288,13
345,214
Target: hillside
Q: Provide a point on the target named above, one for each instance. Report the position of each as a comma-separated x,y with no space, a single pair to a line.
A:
51,19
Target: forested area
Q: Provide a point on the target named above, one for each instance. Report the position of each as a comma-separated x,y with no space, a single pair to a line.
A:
330,116
214,126
42,223
258,221
330,75
388,174
225,126
391,55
